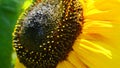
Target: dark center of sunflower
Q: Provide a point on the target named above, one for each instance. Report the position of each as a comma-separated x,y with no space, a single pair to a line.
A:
46,34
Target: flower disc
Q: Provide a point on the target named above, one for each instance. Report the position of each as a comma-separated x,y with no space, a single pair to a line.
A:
44,35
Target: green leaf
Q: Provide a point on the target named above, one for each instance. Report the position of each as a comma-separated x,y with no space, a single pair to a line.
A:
9,12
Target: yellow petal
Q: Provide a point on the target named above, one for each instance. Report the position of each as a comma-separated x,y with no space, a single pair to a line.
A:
73,58
26,4
18,64
65,64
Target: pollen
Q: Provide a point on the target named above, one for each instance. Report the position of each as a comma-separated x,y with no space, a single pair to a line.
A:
44,36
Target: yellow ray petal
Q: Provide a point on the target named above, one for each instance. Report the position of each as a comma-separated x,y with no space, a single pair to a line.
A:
92,56
103,10
95,48
107,5
65,64
105,16
73,58
26,4
95,23
18,64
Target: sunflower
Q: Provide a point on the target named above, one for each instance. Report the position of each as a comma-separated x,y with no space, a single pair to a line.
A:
98,44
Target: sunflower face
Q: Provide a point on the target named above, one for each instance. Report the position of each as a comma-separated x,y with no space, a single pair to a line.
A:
45,34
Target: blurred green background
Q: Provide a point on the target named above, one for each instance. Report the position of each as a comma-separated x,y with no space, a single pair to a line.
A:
9,13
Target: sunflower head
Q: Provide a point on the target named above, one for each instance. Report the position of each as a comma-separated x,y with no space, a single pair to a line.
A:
45,34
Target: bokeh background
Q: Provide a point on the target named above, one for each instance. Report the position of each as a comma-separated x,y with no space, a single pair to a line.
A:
9,13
